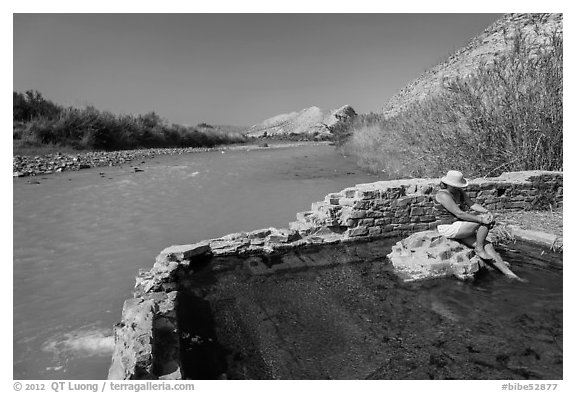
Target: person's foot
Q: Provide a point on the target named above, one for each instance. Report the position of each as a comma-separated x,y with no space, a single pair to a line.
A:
481,253
515,277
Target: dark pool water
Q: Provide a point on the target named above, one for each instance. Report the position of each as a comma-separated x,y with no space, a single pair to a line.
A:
358,321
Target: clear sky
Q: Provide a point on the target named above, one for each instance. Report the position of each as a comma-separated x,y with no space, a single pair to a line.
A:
236,69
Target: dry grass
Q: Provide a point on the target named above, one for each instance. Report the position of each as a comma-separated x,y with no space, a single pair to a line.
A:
549,221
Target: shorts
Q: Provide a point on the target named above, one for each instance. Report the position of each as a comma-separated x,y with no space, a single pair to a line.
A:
449,231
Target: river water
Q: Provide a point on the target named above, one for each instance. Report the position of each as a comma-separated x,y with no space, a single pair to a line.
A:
81,237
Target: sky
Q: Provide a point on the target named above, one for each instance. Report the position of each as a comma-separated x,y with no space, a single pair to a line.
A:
235,69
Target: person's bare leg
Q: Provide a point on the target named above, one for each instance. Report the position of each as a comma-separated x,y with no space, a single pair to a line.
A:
499,263
468,229
481,235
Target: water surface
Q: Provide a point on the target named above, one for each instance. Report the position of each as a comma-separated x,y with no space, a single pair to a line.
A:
80,237
357,320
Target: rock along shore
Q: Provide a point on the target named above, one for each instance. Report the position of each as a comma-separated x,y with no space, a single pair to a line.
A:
52,163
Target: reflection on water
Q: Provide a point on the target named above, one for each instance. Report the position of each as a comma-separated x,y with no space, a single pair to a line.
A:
80,238
85,342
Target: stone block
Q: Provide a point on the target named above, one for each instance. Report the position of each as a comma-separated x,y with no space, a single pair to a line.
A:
401,213
381,204
282,236
226,247
132,357
404,227
350,192
404,201
181,252
416,211
381,221
374,214
402,220
351,223
367,194
260,242
367,222
333,199
357,231
356,214
421,227
362,205
347,201
373,231
488,192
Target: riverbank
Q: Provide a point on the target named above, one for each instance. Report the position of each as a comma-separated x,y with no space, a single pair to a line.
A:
24,165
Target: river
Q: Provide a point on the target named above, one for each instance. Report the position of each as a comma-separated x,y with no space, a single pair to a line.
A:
81,237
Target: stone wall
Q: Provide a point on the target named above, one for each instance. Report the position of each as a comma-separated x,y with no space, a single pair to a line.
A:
147,339
399,207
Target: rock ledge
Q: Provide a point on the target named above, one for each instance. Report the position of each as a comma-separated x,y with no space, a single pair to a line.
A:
427,254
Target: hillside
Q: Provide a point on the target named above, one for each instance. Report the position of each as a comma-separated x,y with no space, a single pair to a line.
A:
309,122
481,49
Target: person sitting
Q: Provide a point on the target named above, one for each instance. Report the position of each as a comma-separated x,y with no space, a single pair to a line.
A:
469,228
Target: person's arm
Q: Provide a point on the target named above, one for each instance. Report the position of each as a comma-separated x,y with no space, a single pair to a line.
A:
478,208
446,200
472,205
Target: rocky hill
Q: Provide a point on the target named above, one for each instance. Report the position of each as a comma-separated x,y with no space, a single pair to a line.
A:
482,49
311,122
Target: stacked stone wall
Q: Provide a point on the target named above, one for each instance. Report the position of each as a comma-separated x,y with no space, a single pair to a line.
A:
399,207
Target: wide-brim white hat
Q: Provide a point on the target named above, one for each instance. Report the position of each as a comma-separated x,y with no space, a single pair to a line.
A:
455,179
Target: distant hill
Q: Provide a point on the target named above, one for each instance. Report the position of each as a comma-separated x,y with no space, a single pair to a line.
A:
481,49
309,123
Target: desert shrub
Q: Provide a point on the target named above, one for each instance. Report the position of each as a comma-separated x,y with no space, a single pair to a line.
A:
513,109
90,128
29,105
344,129
505,117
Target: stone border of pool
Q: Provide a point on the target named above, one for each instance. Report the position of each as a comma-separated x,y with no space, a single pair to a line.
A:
147,342
538,238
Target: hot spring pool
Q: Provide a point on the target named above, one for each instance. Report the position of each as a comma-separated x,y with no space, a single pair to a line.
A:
359,321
